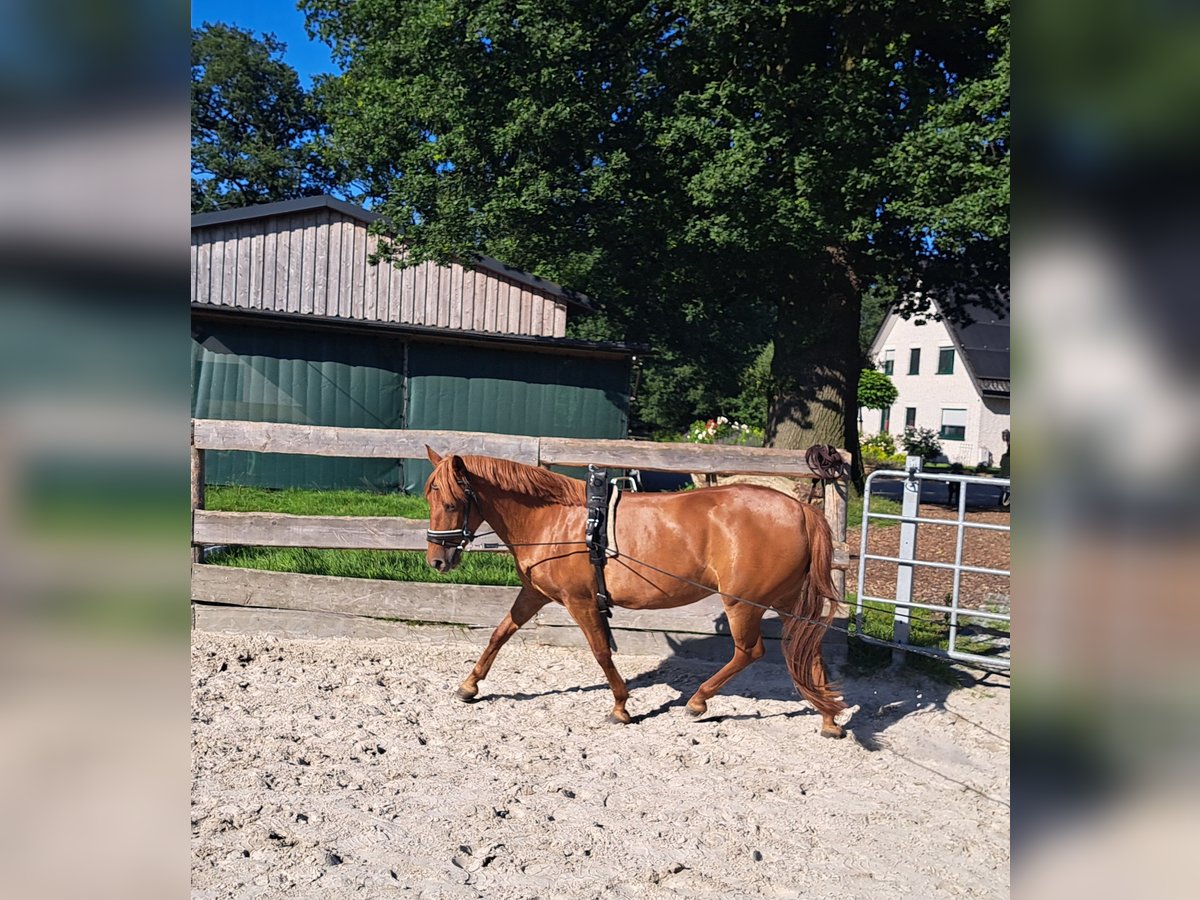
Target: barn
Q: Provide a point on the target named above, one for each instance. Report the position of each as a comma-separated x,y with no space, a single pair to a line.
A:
292,323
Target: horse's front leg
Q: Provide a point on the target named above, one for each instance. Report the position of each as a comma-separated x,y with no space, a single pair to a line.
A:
524,608
587,616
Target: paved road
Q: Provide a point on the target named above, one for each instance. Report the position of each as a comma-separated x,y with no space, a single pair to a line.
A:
979,496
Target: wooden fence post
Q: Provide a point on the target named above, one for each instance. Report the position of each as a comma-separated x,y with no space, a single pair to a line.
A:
197,471
836,502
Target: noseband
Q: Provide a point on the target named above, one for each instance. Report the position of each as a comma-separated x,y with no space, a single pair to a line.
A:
457,537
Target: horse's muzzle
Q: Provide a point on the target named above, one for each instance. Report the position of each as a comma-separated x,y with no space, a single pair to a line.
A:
444,559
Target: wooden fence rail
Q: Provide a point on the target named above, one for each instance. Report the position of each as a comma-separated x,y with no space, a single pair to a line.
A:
245,599
386,443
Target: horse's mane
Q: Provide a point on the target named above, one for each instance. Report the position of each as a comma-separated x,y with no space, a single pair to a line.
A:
540,485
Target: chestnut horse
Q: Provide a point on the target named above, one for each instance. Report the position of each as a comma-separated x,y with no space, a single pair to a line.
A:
742,540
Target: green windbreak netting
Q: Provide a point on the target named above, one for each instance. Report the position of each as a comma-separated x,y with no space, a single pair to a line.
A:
475,389
309,377
261,373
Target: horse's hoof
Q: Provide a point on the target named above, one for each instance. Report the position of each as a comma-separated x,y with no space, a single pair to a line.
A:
466,695
696,713
617,720
837,732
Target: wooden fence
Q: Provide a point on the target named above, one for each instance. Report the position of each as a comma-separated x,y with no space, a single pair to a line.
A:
237,599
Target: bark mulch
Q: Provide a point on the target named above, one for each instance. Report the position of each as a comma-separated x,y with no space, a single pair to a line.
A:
984,548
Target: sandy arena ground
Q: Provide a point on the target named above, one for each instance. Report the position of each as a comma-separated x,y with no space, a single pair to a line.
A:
338,768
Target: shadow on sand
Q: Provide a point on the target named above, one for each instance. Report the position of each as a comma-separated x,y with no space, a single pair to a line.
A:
884,692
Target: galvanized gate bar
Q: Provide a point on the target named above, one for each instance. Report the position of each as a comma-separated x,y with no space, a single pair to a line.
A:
910,518
988,526
936,565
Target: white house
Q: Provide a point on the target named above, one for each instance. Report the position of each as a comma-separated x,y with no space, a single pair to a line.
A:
951,378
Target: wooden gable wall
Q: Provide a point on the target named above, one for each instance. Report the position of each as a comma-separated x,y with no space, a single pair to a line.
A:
315,263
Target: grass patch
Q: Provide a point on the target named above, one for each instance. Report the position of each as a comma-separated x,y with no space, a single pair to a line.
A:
854,511
392,565
927,628
300,502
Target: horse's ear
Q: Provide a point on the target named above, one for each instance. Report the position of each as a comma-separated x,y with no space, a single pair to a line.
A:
459,467
433,457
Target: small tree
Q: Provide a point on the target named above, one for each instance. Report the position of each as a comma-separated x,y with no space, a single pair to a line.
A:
922,442
875,390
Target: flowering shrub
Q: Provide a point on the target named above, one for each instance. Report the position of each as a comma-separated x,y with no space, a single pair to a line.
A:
879,452
721,431
922,442
883,443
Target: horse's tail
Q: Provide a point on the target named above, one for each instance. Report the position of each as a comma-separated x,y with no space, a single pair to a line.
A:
802,635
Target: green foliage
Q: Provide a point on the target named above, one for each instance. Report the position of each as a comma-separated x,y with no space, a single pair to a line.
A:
875,390
257,135
882,442
750,405
922,442
874,309
718,175
879,451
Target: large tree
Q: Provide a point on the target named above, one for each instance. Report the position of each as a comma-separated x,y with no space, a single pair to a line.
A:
257,134
719,174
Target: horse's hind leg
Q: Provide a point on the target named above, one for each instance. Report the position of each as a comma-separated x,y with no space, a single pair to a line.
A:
829,727
587,617
745,624
524,608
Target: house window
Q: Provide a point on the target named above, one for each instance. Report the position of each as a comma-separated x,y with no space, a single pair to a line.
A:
910,417
885,420
954,425
889,361
946,361
914,361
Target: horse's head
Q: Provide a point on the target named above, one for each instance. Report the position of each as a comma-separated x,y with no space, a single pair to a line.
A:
454,513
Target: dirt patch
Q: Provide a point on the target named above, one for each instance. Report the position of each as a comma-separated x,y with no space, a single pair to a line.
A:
339,768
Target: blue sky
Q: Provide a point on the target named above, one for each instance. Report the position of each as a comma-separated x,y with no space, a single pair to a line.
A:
278,16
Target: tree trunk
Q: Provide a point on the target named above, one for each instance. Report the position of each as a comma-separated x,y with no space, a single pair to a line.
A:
816,364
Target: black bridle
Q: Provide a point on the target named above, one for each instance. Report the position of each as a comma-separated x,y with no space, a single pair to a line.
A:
457,537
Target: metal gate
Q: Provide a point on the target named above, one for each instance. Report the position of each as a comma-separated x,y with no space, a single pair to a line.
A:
910,520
